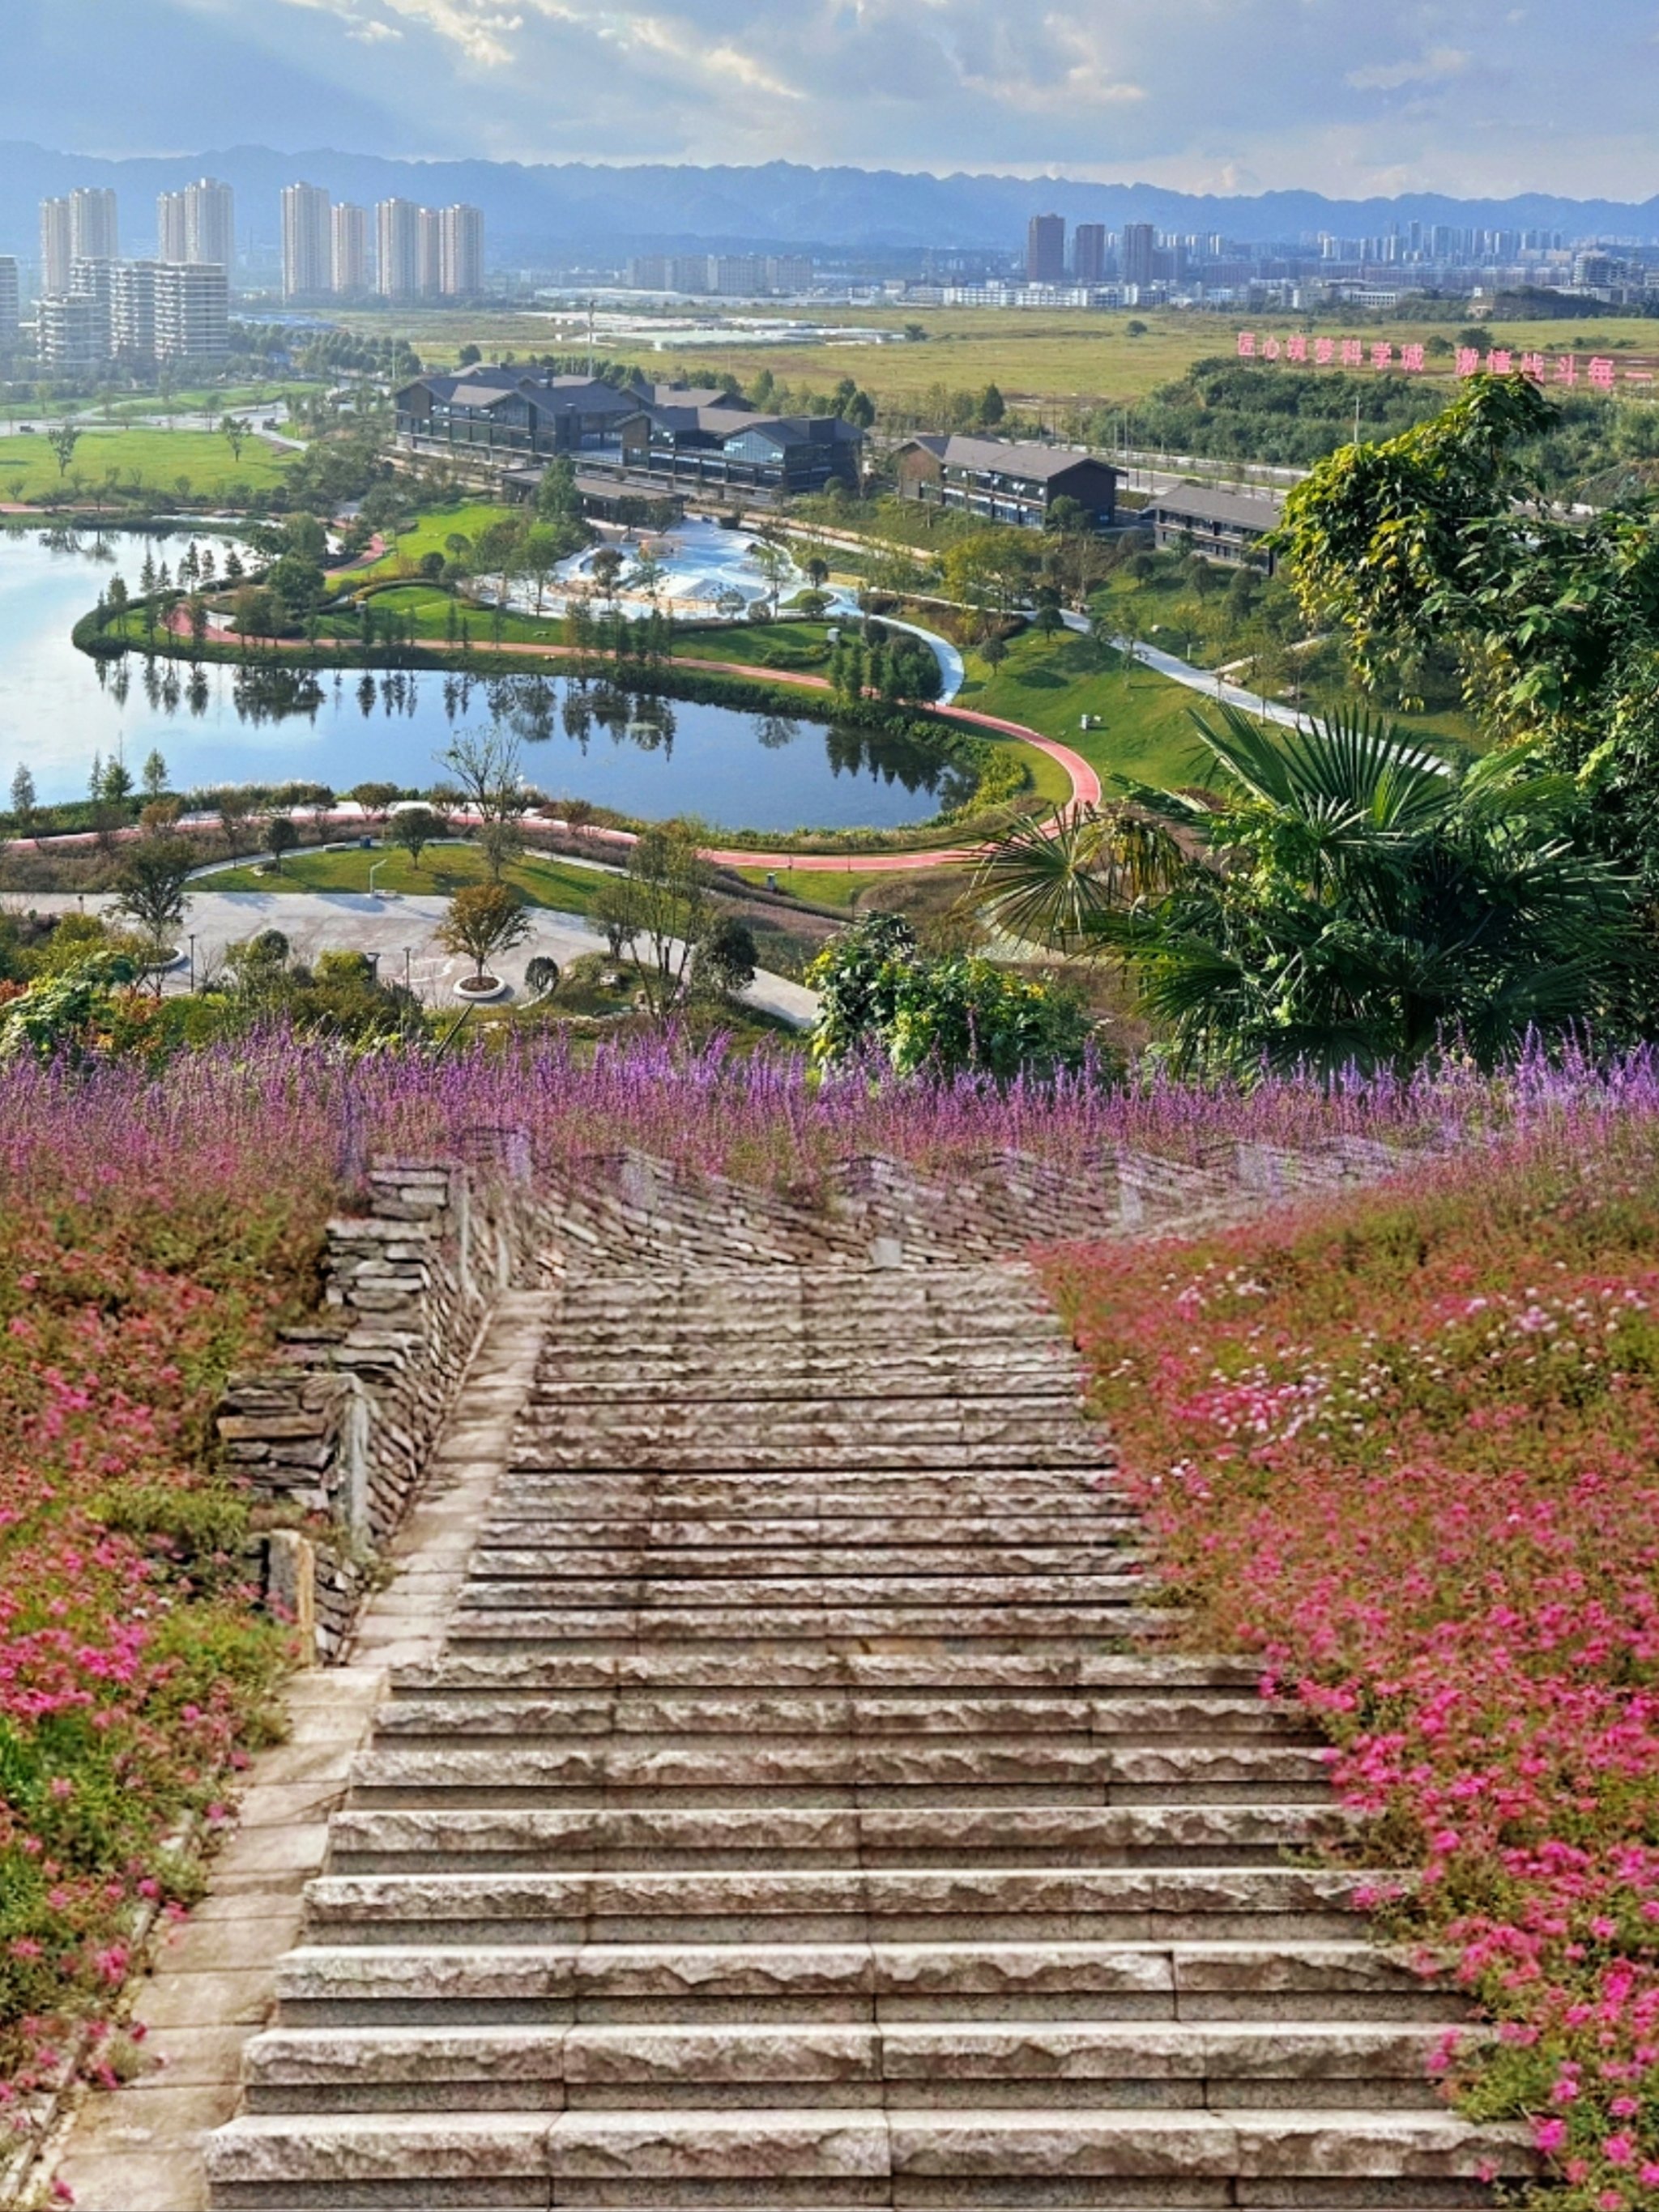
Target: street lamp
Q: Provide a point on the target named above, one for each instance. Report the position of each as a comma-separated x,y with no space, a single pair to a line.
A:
408,983
192,961
374,871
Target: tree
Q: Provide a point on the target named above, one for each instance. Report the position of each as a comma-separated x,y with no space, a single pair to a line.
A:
234,431
415,828
23,799
154,779
375,799
151,890
281,838
878,995
486,765
63,440
483,919
1340,895
234,813
1443,532
659,912
726,955
992,407
774,566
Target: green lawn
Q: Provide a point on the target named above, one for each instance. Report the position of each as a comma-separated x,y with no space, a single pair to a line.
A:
1050,686
156,459
798,647
431,528
444,868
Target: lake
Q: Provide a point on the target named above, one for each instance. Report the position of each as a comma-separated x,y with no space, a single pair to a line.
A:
218,724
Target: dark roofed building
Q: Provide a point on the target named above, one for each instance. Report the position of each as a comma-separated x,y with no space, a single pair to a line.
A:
1000,480
509,413
1223,526
664,437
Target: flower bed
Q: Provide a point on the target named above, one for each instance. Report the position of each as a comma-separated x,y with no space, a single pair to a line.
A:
134,1273
1407,1448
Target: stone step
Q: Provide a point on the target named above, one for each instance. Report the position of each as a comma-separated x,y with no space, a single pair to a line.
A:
589,1386
773,1447
778,1495
926,1535
545,1985
778,2157
1094,1550
1124,1584
823,1769
1197,1717
930,1671
1011,1626
931,1837
916,1905
893,2065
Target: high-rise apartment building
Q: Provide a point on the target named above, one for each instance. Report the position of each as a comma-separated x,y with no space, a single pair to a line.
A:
73,333
57,246
10,303
1045,250
132,310
429,254
461,251
172,227
94,225
307,247
349,256
1140,247
92,277
197,224
192,313
210,224
397,249
1089,253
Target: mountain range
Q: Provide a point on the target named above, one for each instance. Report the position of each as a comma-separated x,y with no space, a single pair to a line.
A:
537,213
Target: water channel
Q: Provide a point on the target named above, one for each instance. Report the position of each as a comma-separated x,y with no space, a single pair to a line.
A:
219,724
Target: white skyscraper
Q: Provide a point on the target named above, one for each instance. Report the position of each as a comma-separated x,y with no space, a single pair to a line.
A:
462,253
307,247
430,274
132,310
9,303
210,223
57,247
172,227
397,247
94,229
350,251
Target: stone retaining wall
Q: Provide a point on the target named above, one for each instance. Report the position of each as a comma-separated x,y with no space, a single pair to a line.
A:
334,1434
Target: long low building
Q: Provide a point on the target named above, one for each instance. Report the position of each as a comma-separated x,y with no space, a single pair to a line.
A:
1223,526
681,439
1000,481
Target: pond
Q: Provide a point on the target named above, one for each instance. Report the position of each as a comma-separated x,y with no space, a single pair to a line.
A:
218,724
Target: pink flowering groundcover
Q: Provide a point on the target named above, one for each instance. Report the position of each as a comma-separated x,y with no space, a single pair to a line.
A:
1406,1447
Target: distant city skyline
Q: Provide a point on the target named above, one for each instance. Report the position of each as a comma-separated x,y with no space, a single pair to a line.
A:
1479,98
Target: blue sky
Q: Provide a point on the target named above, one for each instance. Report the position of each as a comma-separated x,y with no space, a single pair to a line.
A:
1345,96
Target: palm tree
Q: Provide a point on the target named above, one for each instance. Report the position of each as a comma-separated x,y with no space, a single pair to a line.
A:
1338,893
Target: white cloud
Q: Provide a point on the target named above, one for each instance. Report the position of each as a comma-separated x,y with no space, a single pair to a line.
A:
1431,68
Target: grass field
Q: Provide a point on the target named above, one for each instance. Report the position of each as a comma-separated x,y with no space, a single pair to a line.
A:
1066,357
430,532
558,884
1148,732
157,459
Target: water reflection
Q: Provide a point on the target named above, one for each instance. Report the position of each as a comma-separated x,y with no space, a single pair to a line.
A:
268,723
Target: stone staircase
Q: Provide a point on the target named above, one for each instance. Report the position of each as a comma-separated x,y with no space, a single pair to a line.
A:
809,1811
